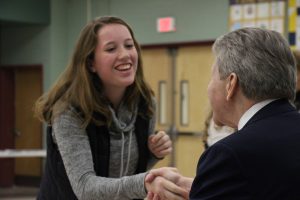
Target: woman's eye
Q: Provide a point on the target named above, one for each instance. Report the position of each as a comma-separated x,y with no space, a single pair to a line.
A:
129,46
110,49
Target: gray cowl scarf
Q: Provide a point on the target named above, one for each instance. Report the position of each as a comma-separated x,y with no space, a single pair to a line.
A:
122,136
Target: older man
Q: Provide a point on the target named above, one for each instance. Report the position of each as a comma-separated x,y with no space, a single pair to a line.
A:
253,82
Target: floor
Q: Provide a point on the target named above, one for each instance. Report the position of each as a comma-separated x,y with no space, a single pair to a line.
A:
18,193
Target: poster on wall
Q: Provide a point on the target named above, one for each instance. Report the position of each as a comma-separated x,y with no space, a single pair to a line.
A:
269,14
294,24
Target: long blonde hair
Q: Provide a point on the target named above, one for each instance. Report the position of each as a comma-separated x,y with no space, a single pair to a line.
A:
79,87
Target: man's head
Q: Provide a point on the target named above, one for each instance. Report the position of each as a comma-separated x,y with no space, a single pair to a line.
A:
250,63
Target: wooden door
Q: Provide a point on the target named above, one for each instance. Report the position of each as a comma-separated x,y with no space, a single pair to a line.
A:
192,73
188,151
157,70
194,70
28,87
6,125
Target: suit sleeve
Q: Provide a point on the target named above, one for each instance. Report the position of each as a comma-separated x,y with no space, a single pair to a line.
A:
219,175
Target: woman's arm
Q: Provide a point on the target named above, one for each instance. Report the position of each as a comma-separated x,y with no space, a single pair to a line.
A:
74,147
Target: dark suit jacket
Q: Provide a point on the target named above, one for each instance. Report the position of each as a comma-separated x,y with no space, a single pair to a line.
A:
260,162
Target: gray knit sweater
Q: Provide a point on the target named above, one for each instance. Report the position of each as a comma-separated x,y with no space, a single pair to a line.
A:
73,145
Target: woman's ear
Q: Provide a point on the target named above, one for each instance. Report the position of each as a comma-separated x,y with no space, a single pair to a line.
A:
90,64
231,85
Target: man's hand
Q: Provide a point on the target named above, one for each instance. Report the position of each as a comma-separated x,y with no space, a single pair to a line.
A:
163,189
167,184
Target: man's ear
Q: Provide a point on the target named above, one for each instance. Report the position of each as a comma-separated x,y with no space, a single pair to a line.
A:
231,85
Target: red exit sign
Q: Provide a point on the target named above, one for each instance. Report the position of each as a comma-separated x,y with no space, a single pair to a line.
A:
165,24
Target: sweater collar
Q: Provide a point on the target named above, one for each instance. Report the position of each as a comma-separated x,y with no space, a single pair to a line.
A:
123,119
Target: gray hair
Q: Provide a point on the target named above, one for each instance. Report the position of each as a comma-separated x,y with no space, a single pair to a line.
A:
262,61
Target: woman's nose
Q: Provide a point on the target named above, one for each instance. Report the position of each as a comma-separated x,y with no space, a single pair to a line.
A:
124,53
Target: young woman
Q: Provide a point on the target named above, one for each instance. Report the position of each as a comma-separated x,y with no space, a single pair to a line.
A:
100,116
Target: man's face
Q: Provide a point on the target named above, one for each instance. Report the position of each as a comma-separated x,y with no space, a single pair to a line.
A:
217,96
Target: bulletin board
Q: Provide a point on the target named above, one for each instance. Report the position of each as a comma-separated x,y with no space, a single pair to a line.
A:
269,14
294,24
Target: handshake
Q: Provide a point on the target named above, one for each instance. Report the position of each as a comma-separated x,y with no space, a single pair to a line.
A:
167,183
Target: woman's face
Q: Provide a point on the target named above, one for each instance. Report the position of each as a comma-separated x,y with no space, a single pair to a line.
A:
116,58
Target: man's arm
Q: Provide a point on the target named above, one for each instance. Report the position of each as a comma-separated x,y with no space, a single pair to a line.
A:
219,175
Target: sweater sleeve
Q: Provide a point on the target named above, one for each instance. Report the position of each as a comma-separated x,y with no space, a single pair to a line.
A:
74,147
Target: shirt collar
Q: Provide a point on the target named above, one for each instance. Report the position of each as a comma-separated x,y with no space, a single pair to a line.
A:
251,112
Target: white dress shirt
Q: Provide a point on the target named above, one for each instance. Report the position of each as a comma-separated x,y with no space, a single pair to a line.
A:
251,112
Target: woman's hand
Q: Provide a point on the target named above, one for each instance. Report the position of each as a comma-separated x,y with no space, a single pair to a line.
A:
167,183
160,144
